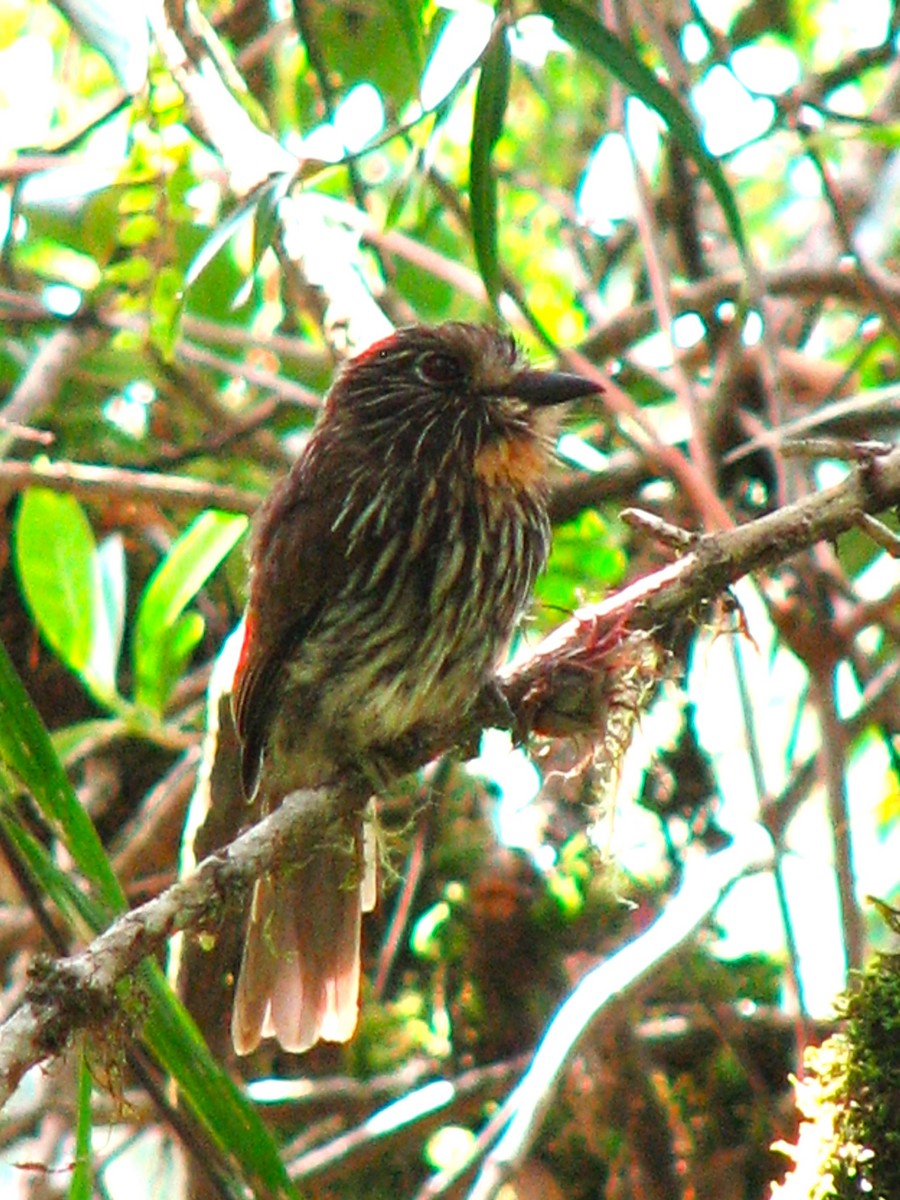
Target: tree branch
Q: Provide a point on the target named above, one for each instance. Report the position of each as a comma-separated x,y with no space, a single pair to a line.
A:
88,481
564,665
77,991
40,384
556,679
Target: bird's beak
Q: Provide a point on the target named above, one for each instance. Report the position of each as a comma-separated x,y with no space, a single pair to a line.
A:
542,388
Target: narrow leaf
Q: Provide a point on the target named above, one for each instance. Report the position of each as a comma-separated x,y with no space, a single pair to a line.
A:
166,308
176,649
266,217
119,31
249,209
580,28
168,1030
490,110
219,238
82,1187
26,749
75,742
230,1118
75,905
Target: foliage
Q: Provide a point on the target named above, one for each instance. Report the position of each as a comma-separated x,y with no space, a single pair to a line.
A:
197,222
848,1143
75,592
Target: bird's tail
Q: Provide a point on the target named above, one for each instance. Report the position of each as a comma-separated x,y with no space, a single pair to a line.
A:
299,978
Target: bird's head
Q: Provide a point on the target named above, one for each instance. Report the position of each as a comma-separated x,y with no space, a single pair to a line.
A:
427,388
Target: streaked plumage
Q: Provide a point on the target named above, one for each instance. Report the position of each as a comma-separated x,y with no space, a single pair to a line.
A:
388,571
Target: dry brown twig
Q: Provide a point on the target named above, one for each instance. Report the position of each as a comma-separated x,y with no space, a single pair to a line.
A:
89,482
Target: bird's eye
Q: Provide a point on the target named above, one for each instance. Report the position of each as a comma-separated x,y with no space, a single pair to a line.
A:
439,370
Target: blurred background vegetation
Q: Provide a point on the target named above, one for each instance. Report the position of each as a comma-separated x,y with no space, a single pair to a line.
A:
203,208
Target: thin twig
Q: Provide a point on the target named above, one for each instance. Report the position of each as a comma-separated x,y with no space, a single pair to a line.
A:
705,884
835,282
832,754
94,482
41,383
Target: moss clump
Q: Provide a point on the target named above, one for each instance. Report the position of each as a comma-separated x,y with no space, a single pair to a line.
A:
849,1142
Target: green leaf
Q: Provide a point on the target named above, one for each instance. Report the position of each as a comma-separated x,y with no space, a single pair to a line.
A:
78,908
166,303
162,641
75,742
586,560
490,110
229,1118
266,217
265,224
139,229
407,18
369,42
176,649
219,238
62,577
249,209
26,749
83,1173
132,271
580,28
54,546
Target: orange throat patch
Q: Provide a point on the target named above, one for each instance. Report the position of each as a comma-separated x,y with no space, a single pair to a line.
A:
518,464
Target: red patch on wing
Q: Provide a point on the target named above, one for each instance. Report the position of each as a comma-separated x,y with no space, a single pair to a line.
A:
243,675
243,658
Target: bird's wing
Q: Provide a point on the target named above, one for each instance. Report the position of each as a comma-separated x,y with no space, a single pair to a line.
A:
297,560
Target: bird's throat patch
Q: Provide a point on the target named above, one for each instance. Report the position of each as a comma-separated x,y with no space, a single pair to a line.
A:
515,463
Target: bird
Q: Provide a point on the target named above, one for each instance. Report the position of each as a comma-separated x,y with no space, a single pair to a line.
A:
388,570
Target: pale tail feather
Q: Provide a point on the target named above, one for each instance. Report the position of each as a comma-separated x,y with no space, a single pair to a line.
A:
299,979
